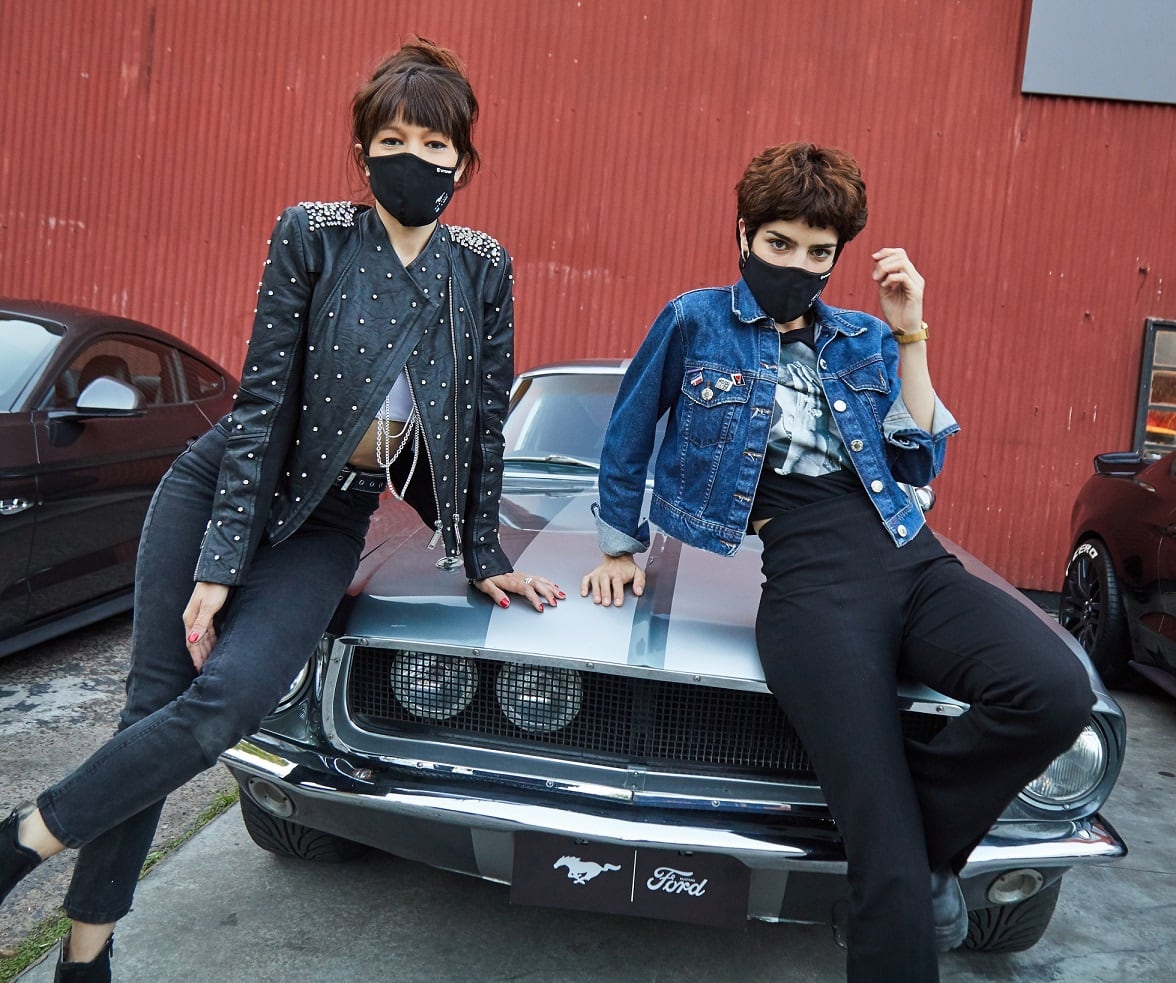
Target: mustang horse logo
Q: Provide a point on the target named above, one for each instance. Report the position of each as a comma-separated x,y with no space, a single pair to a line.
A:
582,871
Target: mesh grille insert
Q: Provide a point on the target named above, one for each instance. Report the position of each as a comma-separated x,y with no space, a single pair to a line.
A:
598,716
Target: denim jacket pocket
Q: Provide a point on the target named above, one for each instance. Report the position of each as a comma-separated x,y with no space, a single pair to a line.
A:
867,376
710,398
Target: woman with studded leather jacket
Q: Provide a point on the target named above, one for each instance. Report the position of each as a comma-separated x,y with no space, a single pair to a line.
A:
380,358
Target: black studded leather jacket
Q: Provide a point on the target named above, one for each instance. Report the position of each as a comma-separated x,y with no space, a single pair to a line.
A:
338,317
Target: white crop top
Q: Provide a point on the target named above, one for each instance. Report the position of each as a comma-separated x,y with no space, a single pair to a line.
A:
398,402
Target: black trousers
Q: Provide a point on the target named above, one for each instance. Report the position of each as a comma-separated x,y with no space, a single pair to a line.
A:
843,614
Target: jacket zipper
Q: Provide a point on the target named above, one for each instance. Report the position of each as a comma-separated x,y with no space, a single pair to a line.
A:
456,415
450,562
439,525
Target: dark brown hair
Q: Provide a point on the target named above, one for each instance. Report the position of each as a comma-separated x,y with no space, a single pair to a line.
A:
425,85
821,186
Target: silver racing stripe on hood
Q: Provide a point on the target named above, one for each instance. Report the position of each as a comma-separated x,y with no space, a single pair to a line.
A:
651,621
712,632
696,616
575,629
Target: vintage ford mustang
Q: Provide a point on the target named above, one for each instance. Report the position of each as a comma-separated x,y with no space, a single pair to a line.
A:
625,760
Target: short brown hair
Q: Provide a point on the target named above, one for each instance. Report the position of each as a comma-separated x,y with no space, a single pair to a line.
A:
821,186
426,85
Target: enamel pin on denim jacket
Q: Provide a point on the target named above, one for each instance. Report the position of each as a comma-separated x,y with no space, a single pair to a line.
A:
710,360
338,316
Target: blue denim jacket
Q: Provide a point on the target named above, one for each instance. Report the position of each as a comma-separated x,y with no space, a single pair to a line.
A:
709,464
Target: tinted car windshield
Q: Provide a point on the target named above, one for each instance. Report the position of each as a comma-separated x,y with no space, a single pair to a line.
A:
560,420
25,347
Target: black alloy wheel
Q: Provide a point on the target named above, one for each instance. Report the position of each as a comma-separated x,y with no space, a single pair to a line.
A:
1091,609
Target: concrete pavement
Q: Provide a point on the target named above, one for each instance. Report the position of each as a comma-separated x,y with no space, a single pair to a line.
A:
222,909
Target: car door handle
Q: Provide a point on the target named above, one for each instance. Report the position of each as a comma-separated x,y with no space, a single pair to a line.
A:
13,506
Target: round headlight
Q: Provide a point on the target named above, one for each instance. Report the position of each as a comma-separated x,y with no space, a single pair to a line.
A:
539,700
435,687
1073,774
295,690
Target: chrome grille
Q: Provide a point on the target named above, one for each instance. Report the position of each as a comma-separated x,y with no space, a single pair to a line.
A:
621,719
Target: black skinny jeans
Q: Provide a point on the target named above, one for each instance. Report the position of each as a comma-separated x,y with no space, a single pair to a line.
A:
176,722
843,614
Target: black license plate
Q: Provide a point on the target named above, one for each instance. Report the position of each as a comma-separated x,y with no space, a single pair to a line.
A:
558,872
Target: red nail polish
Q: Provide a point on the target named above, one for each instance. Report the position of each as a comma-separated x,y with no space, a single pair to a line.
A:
504,603
194,637
540,608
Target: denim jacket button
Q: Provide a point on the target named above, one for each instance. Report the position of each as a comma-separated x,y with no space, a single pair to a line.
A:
822,364
839,405
856,445
876,486
901,530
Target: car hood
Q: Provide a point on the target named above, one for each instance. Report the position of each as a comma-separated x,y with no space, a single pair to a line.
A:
695,620
399,593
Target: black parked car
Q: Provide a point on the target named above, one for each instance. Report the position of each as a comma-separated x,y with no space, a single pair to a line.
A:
93,409
1118,597
623,760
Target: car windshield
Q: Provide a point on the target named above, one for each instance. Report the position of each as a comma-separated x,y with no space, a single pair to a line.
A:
559,420
25,347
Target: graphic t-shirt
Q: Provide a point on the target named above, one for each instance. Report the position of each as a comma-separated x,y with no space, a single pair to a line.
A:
804,438
806,459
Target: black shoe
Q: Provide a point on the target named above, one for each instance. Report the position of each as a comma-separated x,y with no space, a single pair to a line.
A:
841,924
949,910
95,971
16,859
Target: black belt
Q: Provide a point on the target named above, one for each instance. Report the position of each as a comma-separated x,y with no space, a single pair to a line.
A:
358,480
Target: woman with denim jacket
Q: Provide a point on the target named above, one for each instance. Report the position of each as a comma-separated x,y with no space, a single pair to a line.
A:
380,358
805,424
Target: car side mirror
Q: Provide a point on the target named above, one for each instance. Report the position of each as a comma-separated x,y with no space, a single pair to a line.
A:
1119,463
104,397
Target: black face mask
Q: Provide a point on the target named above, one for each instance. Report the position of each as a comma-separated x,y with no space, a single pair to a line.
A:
784,292
413,191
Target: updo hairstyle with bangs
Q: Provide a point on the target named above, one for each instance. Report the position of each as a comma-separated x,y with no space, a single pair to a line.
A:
424,85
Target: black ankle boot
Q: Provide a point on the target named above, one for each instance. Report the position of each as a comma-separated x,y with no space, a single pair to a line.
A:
16,860
95,971
949,909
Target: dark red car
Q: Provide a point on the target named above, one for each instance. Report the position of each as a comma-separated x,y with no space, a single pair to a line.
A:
1118,596
93,409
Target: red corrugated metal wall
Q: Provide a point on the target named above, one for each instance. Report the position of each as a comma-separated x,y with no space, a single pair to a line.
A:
146,147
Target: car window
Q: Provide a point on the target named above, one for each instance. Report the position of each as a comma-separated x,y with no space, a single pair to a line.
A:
563,416
25,347
201,380
145,365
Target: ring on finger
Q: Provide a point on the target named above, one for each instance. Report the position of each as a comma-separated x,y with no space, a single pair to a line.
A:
527,580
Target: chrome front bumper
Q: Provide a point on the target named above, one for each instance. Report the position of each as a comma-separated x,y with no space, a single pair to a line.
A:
796,875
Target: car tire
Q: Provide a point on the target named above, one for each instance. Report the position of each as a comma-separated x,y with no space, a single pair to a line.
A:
1012,927
288,839
1091,609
